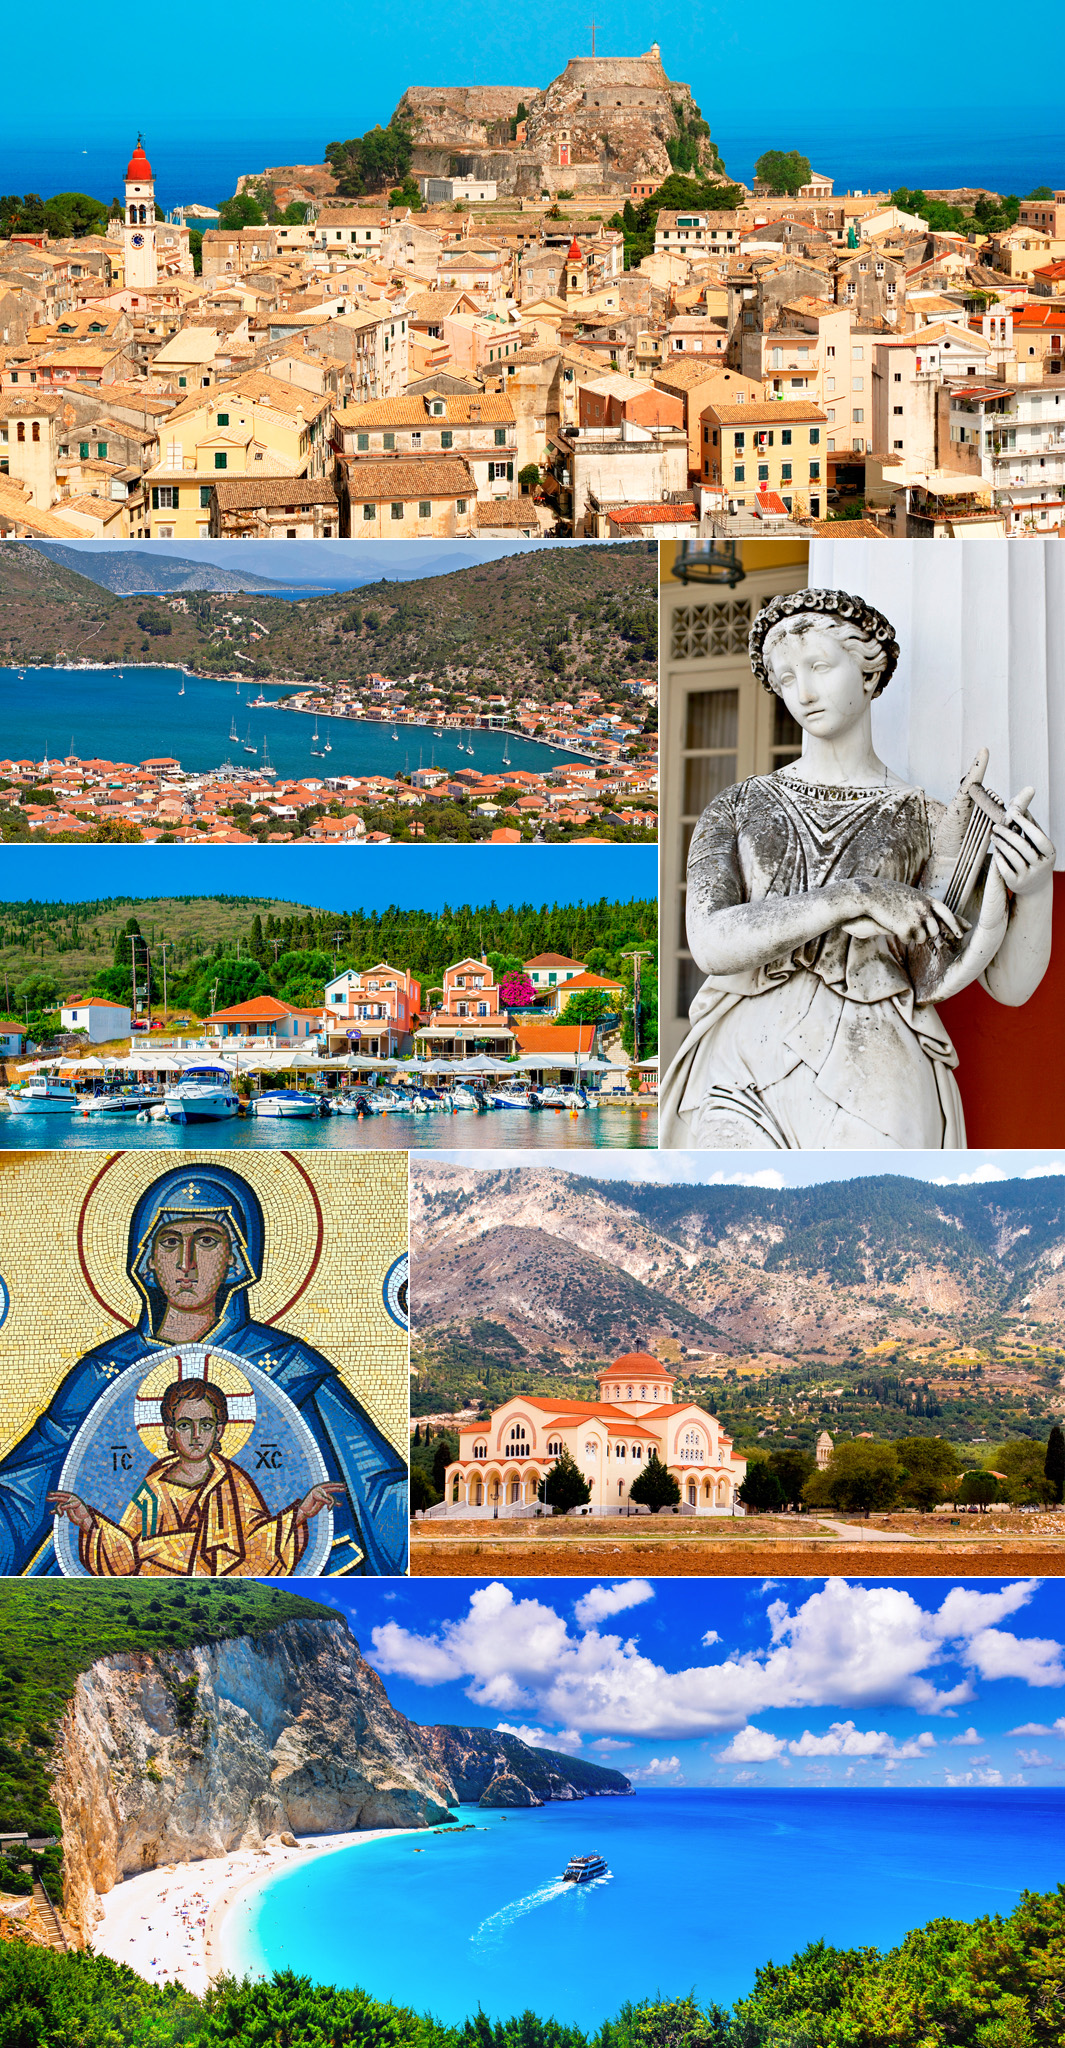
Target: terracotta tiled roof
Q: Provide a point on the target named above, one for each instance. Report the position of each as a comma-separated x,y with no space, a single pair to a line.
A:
766,415
409,476
238,494
493,410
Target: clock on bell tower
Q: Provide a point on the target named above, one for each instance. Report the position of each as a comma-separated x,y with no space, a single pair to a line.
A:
138,233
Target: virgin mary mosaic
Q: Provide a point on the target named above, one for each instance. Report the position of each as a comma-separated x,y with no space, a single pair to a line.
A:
202,1442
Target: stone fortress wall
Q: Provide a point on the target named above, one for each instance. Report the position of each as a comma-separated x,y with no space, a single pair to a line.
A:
602,124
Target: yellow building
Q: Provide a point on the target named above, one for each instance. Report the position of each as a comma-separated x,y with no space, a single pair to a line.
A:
757,450
255,427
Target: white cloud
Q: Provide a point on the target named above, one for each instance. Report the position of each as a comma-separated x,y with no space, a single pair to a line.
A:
974,1778
539,1738
602,1601
753,1746
844,1739
1032,1757
848,1646
969,1740
605,1744
975,1178
658,1767
711,1637
1037,1728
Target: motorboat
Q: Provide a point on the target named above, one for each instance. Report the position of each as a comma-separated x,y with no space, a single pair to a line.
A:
514,1098
563,1098
582,1869
388,1102
204,1095
43,1097
286,1102
465,1096
352,1102
120,1102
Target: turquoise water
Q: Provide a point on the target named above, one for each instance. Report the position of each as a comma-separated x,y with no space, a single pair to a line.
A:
136,714
704,1887
619,1126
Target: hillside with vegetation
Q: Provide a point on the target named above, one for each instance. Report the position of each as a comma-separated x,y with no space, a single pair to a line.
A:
224,950
524,625
880,1306
995,1982
51,1631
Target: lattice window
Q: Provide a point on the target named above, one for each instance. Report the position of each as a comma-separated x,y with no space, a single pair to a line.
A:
701,630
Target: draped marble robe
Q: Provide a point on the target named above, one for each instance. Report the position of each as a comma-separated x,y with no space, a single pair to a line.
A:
826,1046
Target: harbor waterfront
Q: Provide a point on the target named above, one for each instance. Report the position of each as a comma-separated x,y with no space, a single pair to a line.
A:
620,1126
849,1867
137,714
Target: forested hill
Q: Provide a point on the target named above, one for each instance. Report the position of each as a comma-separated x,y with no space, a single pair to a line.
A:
54,950
129,572
52,1631
518,625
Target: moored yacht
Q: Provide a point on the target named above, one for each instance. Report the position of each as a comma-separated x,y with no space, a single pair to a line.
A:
204,1095
288,1102
582,1869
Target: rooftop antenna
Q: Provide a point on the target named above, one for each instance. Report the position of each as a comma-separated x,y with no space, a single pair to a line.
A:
593,35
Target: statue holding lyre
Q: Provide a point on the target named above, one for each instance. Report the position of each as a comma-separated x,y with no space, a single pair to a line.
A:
831,905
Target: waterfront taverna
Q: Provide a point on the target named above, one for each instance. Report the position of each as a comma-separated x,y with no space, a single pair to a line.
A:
502,1463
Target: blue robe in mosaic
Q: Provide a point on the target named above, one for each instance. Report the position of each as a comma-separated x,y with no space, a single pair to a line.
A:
369,1518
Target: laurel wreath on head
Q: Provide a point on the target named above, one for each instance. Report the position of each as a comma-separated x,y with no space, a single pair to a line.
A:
832,604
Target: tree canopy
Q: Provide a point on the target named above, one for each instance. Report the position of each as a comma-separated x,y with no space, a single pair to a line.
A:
783,170
655,1486
368,163
566,1486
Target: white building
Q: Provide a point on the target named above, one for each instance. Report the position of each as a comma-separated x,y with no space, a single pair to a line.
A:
445,191
503,1463
101,1020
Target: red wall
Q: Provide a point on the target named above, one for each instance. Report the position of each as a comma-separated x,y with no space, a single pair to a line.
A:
1011,1072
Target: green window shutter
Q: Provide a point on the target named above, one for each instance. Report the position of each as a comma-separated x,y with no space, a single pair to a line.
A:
367,511
447,438
205,496
362,442
101,450
223,419
510,472
425,510
155,498
83,450
220,461
390,442
501,437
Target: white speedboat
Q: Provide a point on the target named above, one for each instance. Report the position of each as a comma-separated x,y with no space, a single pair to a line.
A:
563,1098
388,1102
514,1098
204,1095
465,1097
42,1097
352,1102
120,1102
286,1102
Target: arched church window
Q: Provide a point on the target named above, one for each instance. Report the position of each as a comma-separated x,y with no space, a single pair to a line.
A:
590,1449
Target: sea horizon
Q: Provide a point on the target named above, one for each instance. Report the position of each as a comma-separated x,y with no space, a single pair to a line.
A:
755,1874
967,148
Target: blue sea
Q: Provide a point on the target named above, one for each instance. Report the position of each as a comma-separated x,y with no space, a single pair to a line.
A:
619,1126
968,145
137,714
705,1886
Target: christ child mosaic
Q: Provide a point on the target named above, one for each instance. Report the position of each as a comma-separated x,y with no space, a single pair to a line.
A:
213,1381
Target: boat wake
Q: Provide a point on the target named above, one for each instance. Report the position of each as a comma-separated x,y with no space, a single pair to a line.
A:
497,1924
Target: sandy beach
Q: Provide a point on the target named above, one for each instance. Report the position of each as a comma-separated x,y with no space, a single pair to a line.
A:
167,1923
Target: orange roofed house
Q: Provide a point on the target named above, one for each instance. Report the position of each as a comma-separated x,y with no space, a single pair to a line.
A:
266,1019
379,1006
502,1464
469,1018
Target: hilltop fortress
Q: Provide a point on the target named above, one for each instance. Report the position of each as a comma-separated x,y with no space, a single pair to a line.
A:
602,126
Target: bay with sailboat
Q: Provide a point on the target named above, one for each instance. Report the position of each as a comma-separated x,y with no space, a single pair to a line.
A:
135,714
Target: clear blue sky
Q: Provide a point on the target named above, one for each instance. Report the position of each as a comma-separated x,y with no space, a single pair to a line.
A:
338,878
724,1681
174,87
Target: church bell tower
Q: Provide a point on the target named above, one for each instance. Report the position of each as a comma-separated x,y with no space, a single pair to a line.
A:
138,234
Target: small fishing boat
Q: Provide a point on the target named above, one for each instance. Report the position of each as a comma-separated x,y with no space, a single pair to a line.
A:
181,692
463,1096
42,1097
582,1869
514,1098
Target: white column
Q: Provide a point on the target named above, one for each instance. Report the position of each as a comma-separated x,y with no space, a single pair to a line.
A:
981,628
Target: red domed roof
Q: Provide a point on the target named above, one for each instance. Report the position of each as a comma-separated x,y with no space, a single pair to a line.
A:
636,1362
574,253
138,169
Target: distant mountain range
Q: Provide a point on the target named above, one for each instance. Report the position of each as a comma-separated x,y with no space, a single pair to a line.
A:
595,1268
321,566
134,572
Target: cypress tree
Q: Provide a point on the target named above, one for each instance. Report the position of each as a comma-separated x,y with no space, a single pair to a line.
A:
1054,1465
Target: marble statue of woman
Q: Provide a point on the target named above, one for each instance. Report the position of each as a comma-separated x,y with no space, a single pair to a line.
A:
830,905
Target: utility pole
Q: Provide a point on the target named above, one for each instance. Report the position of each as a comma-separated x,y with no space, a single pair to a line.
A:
133,963
636,954
163,950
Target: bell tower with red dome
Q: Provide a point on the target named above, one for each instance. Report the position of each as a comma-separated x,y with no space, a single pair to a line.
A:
138,233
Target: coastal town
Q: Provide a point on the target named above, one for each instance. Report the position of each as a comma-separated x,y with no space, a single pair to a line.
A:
563,318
